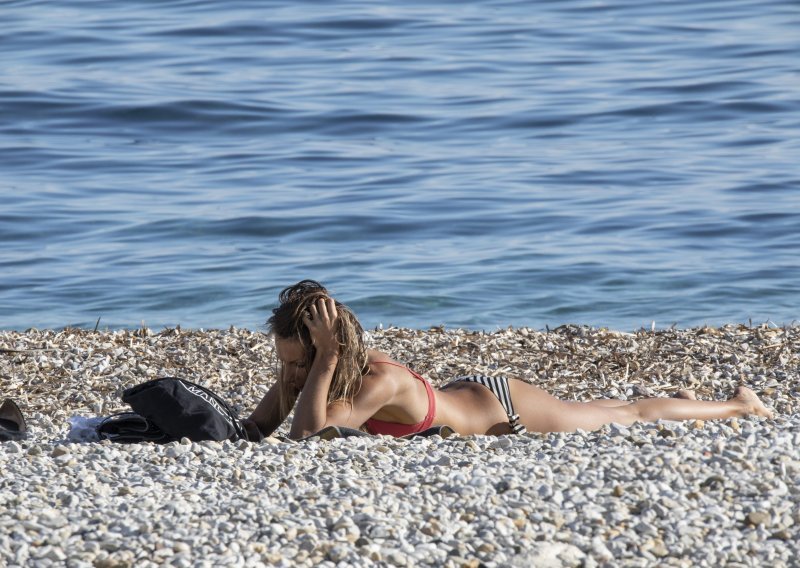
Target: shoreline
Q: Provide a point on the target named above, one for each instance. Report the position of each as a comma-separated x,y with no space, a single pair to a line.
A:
663,494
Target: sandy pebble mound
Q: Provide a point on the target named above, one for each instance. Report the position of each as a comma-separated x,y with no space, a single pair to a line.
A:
666,494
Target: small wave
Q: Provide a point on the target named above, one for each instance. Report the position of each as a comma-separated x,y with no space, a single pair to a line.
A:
766,188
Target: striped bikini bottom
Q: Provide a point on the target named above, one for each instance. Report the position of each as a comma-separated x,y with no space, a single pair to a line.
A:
499,388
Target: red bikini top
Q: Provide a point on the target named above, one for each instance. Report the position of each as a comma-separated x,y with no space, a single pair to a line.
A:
397,429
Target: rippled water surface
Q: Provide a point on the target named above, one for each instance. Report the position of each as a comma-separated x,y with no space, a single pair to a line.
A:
481,165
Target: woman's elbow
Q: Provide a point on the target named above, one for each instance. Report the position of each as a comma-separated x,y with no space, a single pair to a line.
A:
300,432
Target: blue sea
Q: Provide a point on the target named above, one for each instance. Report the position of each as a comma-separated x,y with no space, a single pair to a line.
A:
610,163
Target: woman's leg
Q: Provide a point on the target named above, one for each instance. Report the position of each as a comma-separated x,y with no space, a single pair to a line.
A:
743,403
608,402
541,412
612,402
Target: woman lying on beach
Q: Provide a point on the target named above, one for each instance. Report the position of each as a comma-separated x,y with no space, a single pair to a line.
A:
330,379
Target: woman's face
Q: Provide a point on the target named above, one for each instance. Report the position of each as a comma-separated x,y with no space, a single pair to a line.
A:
293,357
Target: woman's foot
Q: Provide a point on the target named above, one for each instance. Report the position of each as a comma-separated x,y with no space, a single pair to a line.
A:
751,403
687,394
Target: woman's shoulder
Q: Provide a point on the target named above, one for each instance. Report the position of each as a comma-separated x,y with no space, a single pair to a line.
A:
377,357
382,378
383,369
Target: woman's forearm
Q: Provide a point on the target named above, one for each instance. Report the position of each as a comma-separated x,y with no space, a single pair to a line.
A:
267,416
311,411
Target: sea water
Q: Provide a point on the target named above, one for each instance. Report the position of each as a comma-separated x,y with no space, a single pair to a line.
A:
479,164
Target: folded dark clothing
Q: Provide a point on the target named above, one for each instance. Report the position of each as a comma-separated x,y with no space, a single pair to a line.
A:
12,423
129,427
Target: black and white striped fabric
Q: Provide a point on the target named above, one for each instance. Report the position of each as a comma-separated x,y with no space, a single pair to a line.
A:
499,388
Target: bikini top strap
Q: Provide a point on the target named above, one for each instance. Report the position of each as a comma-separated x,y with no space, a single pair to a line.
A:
413,373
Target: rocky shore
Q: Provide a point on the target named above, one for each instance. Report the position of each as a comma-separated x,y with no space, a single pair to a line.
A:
666,494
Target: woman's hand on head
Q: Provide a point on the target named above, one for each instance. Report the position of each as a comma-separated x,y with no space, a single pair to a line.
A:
322,321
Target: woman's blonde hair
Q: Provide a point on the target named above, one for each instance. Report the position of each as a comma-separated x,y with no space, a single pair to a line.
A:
286,322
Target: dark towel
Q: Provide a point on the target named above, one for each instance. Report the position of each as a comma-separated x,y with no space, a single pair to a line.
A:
331,432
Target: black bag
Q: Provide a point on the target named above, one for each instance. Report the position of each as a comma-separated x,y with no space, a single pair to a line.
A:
184,409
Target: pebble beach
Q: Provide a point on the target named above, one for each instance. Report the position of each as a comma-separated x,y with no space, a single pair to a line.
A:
714,493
